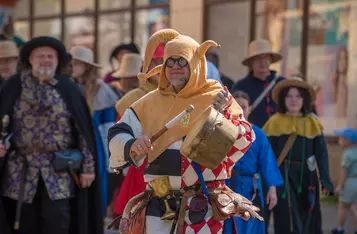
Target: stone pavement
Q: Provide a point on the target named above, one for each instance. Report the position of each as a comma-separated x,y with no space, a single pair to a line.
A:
329,214
329,220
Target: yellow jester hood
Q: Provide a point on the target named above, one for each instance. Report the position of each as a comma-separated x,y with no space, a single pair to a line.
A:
157,108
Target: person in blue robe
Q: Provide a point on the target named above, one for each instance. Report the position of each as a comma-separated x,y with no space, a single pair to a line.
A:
101,100
104,115
258,84
258,161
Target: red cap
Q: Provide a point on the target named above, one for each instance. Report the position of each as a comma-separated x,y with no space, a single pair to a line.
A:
159,52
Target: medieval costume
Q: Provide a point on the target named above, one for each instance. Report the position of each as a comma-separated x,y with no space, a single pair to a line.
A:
9,54
299,144
184,178
260,91
48,119
131,64
8,50
254,87
258,161
265,107
101,100
134,181
104,115
4,225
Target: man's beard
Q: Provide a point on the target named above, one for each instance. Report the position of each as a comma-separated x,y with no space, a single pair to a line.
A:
47,71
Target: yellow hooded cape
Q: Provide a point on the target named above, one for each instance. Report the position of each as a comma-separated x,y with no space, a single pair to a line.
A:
157,108
133,95
281,124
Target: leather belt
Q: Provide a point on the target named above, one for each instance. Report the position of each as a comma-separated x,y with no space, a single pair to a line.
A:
174,193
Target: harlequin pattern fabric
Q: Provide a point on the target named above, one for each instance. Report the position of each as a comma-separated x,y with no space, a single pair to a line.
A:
180,171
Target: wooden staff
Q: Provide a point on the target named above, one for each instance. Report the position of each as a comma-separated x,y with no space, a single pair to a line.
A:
171,123
167,126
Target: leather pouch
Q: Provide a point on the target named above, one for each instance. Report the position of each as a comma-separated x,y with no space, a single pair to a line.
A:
67,159
198,209
135,224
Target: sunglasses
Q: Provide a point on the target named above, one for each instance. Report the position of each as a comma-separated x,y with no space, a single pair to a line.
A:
180,61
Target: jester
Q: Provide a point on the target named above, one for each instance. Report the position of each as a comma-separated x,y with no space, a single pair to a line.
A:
181,195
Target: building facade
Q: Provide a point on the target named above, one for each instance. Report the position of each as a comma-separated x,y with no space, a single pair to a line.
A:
315,37
98,24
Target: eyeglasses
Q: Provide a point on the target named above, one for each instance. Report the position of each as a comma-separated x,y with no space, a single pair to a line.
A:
180,61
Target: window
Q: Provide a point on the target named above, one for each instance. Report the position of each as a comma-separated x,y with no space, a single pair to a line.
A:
330,61
113,28
73,6
151,2
22,29
316,40
98,24
22,9
47,27
47,8
114,4
147,22
280,21
79,31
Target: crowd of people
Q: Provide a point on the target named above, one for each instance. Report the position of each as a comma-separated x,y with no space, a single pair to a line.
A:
76,148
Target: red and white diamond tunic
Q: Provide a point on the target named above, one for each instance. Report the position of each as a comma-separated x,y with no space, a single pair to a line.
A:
178,168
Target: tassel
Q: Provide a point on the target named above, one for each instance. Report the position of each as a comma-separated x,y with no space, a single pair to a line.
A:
283,196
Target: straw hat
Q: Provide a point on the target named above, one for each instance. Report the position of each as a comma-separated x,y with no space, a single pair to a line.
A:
260,47
130,66
84,55
8,49
293,81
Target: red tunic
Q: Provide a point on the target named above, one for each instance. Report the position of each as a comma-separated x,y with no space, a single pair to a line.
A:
133,185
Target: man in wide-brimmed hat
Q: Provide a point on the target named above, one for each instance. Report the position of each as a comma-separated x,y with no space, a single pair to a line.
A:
183,82
126,75
8,59
117,55
144,86
49,176
258,84
260,80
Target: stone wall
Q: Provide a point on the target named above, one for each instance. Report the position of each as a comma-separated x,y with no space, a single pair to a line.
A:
186,16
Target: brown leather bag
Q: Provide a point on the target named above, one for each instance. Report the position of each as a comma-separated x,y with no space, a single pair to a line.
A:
137,221
135,224
226,203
